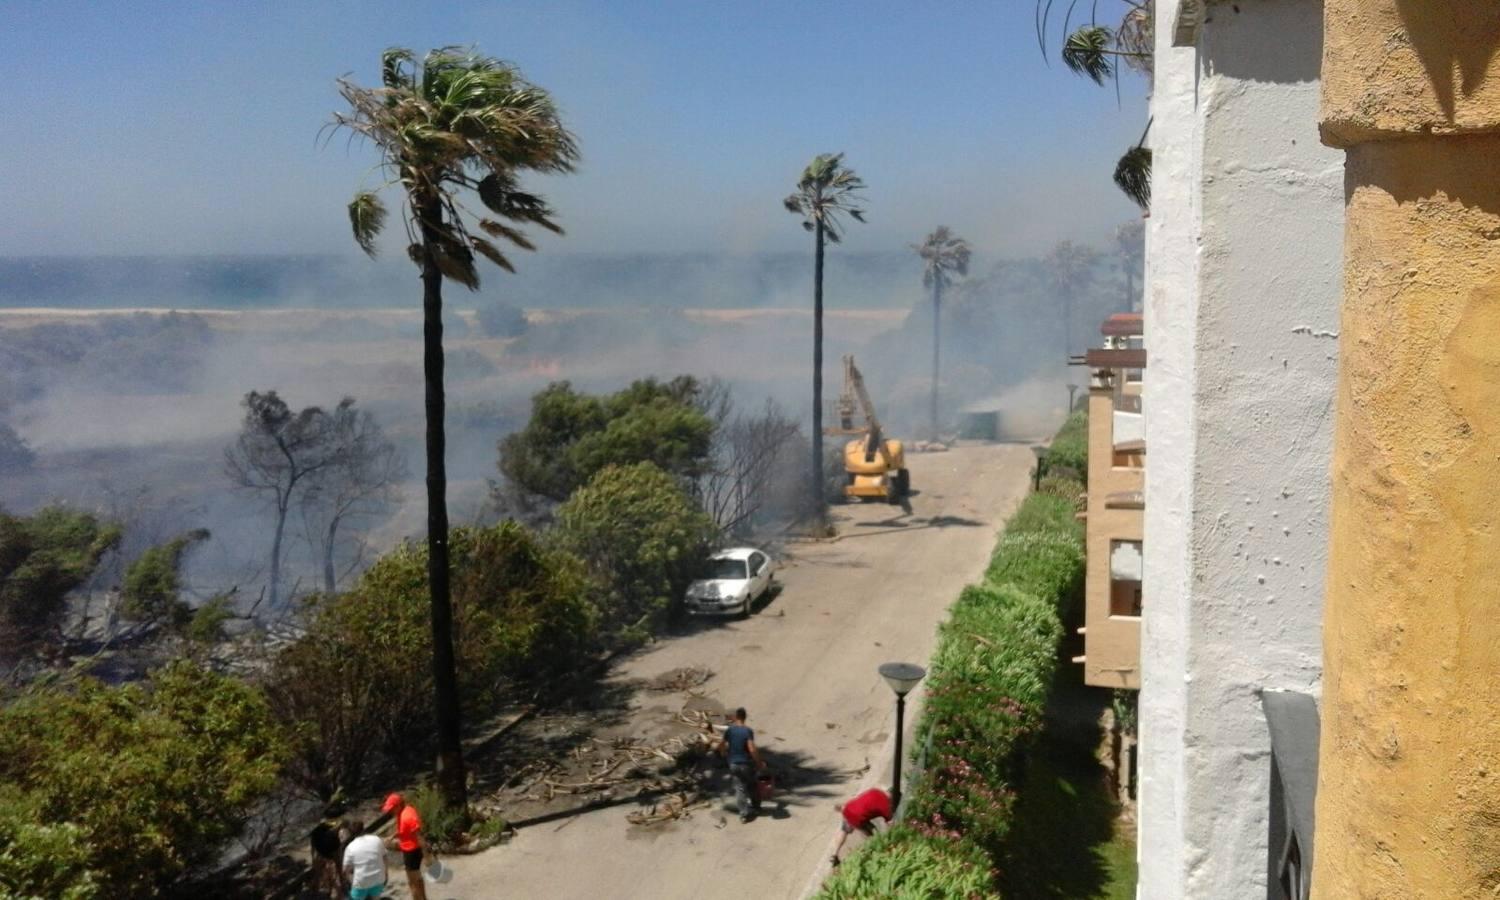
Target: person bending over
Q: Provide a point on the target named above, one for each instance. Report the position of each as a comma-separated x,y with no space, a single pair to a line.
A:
860,814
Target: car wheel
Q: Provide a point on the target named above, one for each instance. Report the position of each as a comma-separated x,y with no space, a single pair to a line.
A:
744,612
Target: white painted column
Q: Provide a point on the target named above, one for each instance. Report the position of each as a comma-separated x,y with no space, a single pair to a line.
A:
1243,255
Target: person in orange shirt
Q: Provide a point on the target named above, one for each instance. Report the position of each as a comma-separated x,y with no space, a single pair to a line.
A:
408,839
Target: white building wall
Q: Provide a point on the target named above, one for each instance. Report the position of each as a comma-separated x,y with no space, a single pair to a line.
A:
1243,263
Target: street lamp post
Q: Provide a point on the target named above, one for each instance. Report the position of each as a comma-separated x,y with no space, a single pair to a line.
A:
1036,478
902,677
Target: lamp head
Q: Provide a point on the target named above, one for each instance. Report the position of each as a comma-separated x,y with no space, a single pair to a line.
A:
902,677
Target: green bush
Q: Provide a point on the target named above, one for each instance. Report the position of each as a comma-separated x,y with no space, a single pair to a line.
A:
986,695
359,680
571,437
42,860
1069,451
902,864
641,536
42,558
530,606
442,824
153,582
129,787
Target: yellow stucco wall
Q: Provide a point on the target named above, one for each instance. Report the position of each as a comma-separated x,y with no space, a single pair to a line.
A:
1409,67
1409,779
1409,796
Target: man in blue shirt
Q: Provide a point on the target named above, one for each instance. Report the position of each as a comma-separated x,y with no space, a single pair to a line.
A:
738,744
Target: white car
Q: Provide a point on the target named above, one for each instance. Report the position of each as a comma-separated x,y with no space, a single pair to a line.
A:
734,580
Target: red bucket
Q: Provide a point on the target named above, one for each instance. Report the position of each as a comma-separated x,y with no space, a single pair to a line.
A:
765,786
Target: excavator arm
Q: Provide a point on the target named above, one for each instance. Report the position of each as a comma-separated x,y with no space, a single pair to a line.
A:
854,390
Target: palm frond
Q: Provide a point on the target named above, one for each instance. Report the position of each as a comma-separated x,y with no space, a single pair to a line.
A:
367,218
1133,175
501,230
394,64
456,262
1086,52
494,191
488,251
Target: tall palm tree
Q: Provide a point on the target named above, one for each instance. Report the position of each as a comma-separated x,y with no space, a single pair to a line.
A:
451,128
1070,267
944,255
826,190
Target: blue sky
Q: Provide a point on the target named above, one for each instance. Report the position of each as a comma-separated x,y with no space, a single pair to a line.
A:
145,128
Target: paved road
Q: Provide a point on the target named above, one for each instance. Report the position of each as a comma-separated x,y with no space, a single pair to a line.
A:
805,668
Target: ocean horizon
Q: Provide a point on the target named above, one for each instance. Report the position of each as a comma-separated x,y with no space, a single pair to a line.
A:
886,279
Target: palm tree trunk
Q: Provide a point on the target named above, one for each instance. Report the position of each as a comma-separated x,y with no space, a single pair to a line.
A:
450,763
937,325
817,420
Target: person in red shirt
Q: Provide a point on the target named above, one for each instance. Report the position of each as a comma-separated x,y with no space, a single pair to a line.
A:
860,814
408,839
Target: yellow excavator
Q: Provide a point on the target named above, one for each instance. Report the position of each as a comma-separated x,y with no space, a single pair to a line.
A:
876,464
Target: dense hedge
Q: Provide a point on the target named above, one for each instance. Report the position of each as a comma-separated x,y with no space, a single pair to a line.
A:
1069,451
985,698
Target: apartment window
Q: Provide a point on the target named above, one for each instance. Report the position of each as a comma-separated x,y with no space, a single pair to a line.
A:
1125,571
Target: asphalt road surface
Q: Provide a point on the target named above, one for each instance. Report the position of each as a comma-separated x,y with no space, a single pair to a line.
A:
804,666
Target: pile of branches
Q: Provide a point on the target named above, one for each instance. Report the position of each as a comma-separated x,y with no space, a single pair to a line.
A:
612,763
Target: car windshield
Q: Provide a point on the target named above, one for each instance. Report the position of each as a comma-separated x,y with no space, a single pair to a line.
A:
727,569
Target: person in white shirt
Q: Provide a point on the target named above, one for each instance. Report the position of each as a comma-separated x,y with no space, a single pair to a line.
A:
364,864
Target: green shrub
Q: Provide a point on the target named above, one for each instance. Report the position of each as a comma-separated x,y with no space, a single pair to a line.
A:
42,558
1069,451
359,680
153,582
42,860
571,437
130,787
442,824
207,623
530,606
902,864
641,536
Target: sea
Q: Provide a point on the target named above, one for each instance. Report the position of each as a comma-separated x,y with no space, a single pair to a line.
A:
705,281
